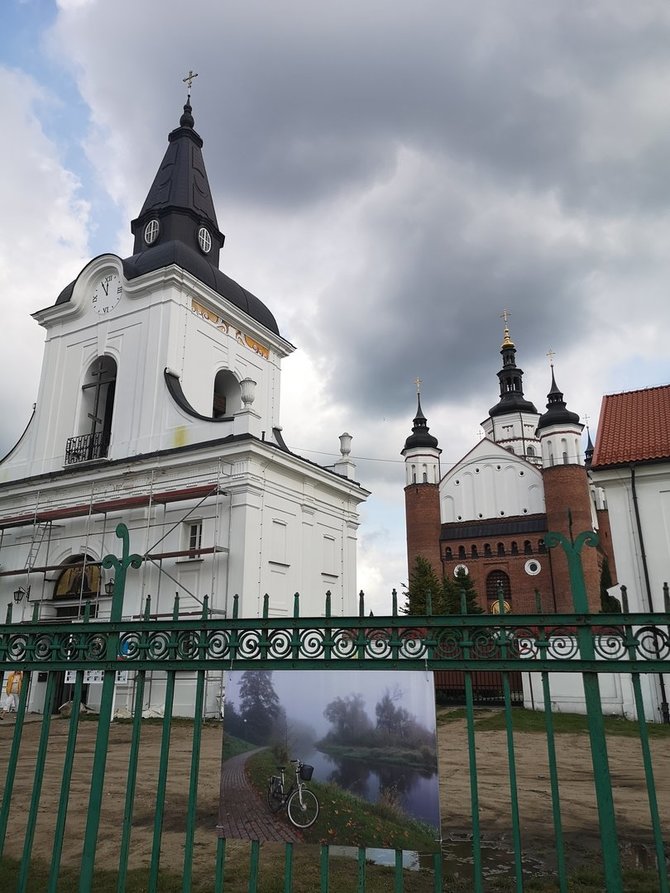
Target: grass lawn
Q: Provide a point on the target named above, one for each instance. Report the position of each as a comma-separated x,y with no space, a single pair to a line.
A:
488,719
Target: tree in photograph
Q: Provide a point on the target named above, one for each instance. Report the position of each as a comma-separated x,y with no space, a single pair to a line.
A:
259,705
462,582
422,580
609,604
350,721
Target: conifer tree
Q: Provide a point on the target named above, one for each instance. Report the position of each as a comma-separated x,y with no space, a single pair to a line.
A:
423,579
462,582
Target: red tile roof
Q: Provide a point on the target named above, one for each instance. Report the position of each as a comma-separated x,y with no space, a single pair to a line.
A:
634,427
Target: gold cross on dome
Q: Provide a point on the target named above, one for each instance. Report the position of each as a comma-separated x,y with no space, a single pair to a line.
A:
418,384
189,80
586,420
505,315
551,355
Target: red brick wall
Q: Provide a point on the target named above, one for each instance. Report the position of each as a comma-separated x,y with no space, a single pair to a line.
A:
566,489
522,584
422,517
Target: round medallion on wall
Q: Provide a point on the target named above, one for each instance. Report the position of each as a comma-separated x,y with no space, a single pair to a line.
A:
461,568
204,240
495,607
532,567
151,231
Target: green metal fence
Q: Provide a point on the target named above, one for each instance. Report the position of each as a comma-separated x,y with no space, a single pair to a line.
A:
536,643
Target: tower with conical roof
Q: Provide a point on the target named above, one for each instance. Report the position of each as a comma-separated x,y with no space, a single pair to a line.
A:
567,492
513,420
159,405
422,495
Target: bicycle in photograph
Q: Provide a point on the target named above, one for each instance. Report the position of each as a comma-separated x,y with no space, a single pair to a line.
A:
302,805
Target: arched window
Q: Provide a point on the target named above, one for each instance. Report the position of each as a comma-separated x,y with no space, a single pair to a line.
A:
95,413
541,546
79,581
496,581
530,451
414,474
501,548
461,551
487,550
447,554
473,551
527,547
226,399
515,548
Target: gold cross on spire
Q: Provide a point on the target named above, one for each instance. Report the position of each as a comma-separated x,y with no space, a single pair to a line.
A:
189,81
418,384
507,341
551,355
586,420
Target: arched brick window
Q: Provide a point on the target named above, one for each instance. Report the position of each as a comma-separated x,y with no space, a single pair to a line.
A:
494,581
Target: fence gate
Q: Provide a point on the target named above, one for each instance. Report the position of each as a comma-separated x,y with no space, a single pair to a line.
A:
56,802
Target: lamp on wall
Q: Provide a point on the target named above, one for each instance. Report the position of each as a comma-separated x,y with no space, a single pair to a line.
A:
109,587
20,592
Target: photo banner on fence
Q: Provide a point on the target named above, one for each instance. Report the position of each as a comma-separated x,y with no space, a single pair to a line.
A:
339,757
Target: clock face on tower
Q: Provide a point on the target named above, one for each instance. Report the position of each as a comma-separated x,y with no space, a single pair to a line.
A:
106,293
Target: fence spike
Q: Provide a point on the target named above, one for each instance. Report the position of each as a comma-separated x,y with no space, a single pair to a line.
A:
87,610
236,606
147,608
36,612
175,608
296,605
361,604
429,603
464,602
9,613
328,608
624,599
266,606
394,603
666,598
205,607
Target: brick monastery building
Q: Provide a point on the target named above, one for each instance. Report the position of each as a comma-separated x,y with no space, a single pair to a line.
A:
491,511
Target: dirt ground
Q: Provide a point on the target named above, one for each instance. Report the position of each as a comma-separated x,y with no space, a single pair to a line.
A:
578,809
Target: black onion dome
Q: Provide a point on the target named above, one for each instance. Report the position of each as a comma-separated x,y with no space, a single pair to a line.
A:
420,436
557,412
180,202
511,383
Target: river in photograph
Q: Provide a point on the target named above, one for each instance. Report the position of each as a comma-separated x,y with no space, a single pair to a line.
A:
416,792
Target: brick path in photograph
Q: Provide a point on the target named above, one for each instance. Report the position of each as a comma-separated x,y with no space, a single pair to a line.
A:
243,814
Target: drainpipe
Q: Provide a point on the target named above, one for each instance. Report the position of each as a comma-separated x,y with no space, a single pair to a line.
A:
665,712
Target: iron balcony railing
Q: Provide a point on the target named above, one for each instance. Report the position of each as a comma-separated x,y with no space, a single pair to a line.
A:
85,447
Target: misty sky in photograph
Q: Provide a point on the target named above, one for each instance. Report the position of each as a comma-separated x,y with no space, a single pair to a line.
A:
389,178
305,694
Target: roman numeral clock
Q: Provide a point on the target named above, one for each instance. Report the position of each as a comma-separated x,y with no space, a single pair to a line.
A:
106,293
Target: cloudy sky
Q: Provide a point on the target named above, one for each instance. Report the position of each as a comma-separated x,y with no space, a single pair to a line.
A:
389,177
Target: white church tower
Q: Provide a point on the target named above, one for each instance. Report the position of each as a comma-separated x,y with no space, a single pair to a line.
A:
159,406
